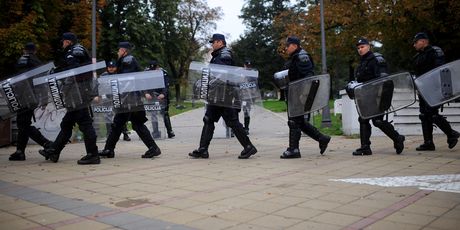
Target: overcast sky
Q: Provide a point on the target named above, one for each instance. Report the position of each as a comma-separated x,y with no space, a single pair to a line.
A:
230,24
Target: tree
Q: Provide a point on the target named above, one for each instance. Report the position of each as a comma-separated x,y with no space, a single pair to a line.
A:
392,23
261,39
41,22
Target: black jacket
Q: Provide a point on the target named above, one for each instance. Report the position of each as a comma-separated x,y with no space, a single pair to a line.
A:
128,64
27,62
300,65
74,56
222,56
371,66
428,59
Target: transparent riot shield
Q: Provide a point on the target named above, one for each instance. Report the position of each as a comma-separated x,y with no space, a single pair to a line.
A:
440,85
281,79
155,114
17,93
308,95
223,85
71,89
384,95
129,92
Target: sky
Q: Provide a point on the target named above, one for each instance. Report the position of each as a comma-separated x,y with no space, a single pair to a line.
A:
230,25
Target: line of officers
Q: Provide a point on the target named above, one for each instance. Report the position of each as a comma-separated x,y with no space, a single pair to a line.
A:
300,65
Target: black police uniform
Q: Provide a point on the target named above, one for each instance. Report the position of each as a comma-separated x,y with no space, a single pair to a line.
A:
300,65
222,56
108,125
76,55
27,62
129,64
425,60
165,112
371,66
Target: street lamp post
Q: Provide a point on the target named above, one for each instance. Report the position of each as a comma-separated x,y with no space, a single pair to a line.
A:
93,31
326,113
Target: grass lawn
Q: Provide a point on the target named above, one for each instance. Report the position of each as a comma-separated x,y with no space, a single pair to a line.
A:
336,121
186,106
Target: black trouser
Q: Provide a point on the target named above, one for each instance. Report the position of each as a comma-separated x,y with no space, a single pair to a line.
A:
26,130
230,116
167,118
247,117
365,129
429,116
137,120
83,118
298,125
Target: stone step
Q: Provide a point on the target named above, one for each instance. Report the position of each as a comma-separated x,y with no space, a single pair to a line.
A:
415,119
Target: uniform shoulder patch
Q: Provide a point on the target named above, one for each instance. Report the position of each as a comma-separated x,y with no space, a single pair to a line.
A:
128,59
379,58
438,51
226,53
303,56
78,51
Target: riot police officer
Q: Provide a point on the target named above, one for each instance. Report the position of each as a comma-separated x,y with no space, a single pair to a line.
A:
163,94
27,62
427,58
75,55
112,69
300,65
371,66
127,63
221,55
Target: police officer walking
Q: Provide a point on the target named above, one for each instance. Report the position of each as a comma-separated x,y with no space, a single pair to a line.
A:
427,58
221,55
371,66
75,55
163,95
27,62
112,69
127,63
300,66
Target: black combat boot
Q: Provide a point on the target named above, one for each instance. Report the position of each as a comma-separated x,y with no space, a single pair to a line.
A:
364,150
293,150
389,130
90,159
17,156
152,152
107,153
168,126
247,152
426,146
205,140
398,144
452,139
50,154
244,140
365,130
427,129
443,124
314,133
199,153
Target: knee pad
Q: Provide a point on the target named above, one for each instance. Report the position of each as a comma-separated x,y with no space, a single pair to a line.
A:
232,123
378,123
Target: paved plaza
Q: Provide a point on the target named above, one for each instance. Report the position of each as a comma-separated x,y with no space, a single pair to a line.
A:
414,190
